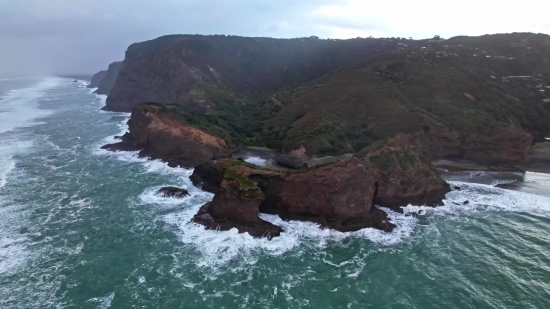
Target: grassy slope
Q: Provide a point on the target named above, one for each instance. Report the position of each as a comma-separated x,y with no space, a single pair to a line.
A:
394,93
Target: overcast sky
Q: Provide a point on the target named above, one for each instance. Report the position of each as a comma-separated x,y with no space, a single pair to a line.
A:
41,37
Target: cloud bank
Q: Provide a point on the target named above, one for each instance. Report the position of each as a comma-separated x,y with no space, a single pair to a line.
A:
81,36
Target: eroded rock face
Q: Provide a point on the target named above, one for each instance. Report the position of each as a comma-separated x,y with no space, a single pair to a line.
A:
162,137
257,228
236,205
174,192
338,196
503,144
405,174
440,142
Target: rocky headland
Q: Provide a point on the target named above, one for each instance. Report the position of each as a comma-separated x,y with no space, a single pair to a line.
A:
97,78
105,80
158,135
357,123
341,195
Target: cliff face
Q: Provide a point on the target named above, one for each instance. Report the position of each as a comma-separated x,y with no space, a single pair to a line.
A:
159,136
204,72
109,79
97,78
502,144
404,173
340,195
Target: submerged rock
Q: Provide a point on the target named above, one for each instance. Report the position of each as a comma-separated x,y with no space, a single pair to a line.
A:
172,192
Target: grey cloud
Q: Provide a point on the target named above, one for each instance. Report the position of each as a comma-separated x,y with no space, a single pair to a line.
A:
84,36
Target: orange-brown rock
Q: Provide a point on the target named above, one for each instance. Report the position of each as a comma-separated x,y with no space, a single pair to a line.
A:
502,144
340,191
405,174
162,137
236,205
339,196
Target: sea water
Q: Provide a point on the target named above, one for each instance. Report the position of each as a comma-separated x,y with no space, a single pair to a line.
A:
81,227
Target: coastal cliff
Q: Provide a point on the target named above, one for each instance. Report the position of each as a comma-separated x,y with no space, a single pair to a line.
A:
358,120
404,173
160,136
97,78
109,79
340,195
204,73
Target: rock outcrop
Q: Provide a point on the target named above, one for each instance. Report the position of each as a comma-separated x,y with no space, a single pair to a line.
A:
236,204
502,144
404,173
339,196
108,81
97,79
160,136
174,192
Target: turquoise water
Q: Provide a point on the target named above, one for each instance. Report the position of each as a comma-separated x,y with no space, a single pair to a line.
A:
81,228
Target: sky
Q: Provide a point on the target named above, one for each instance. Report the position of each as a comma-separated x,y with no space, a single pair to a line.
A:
47,37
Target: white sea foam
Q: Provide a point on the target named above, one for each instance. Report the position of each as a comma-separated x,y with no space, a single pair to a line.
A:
19,107
218,248
256,160
483,197
102,302
102,99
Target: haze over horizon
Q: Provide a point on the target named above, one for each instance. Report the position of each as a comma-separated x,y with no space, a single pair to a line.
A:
82,37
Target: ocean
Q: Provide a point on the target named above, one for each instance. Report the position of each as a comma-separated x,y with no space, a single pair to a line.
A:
81,227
